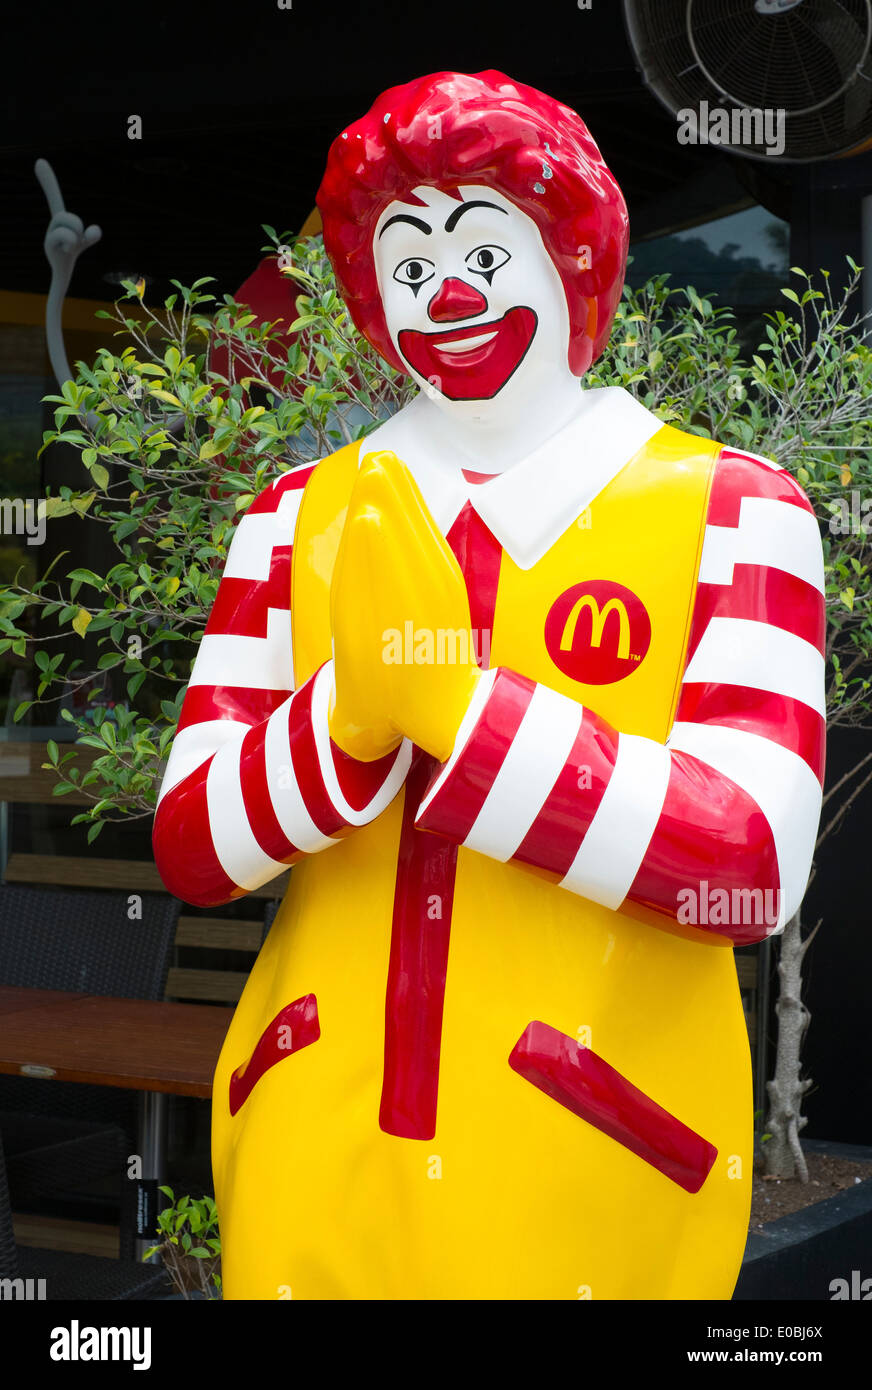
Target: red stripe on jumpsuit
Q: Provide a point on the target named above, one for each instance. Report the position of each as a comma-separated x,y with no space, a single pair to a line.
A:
426,869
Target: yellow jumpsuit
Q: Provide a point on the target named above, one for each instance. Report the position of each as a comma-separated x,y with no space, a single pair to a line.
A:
514,1197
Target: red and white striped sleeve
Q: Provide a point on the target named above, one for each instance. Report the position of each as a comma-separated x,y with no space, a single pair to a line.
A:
720,821
253,781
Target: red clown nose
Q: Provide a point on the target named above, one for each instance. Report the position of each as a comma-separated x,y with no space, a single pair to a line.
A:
456,300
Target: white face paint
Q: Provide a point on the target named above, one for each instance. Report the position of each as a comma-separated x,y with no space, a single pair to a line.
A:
476,309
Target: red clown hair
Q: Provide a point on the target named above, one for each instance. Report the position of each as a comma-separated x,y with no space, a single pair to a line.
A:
451,129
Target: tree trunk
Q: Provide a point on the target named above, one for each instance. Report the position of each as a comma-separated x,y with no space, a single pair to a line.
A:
782,1154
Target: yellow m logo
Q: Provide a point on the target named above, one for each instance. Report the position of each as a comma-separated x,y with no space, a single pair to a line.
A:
598,621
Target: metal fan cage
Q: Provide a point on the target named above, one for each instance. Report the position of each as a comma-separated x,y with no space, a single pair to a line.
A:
810,59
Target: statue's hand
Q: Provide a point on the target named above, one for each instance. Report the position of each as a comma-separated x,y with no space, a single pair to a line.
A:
396,577
67,236
358,717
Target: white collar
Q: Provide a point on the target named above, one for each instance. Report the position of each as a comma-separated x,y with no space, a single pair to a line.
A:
531,504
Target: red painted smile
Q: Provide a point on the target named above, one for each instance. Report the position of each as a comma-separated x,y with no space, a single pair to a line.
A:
471,363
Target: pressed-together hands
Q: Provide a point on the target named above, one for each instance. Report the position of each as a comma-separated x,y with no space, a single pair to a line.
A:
393,568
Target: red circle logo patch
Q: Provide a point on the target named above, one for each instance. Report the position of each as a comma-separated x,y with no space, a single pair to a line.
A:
597,632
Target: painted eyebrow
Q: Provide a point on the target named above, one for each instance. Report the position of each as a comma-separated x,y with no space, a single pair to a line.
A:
405,217
464,207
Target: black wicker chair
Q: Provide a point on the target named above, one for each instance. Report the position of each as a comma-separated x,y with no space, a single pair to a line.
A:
68,1276
61,1136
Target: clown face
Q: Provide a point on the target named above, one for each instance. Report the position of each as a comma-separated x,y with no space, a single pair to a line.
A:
473,302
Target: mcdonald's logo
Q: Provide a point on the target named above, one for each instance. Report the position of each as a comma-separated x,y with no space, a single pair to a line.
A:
597,632
598,618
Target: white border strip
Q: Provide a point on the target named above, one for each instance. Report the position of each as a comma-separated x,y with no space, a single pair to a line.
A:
780,782
536,758
239,853
772,534
758,656
611,852
387,791
285,795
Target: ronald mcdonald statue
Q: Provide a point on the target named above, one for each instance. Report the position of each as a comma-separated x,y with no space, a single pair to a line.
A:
528,688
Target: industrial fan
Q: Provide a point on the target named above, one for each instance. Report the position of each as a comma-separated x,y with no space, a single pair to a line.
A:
807,59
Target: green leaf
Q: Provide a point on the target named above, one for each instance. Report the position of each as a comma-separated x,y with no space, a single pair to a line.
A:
134,683
210,449
57,508
87,577
81,504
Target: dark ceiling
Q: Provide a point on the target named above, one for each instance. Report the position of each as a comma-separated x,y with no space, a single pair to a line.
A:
239,105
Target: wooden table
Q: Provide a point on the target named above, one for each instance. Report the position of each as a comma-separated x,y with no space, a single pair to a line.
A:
144,1045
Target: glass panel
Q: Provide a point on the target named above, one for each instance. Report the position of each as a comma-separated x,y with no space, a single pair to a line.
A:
742,260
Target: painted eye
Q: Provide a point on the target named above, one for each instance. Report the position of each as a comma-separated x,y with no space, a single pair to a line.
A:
484,260
414,272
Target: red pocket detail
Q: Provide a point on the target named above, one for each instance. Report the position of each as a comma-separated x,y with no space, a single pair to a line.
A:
579,1079
291,1030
